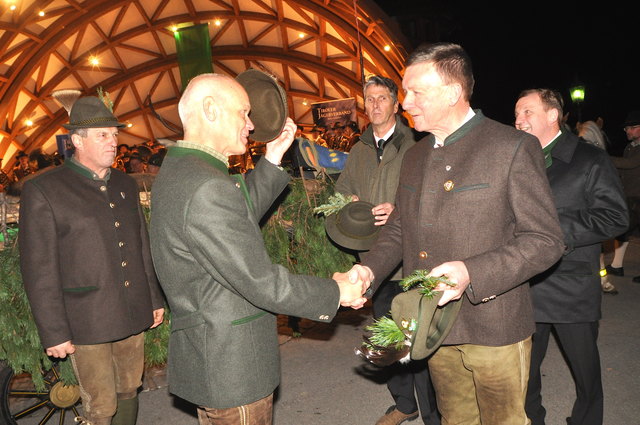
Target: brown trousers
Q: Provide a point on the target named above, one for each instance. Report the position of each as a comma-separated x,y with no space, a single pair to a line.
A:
477,384
257,413
107,373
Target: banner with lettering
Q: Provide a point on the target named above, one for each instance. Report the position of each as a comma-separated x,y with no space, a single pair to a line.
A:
331,112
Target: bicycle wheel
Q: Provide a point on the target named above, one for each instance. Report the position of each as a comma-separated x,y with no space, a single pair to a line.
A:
21,403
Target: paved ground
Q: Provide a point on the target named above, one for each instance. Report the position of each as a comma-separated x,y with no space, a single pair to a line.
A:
324,383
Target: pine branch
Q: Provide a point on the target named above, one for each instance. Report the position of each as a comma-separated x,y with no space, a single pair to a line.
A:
335,204
385,332
424,282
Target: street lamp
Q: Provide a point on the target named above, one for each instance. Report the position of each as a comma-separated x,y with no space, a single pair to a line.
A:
577,97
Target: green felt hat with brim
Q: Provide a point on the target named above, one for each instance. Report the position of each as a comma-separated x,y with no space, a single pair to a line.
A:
91,112
268,100
433,323
353,227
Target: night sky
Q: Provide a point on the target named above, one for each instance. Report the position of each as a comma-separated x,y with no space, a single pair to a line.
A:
545,44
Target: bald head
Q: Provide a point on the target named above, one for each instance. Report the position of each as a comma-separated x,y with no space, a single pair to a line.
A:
214,110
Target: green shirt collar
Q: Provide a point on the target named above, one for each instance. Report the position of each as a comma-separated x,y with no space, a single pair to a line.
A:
81,169
206,149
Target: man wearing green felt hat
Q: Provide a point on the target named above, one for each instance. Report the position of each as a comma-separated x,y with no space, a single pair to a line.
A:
87,268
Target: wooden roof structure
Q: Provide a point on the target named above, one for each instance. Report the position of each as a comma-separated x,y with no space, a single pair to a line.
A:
127,48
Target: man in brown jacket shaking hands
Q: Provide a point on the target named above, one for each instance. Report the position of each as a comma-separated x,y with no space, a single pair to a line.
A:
473,205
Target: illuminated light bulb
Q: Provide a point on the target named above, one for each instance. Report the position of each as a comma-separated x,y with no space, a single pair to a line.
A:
12,7
129,125
94,61
217,22
174,28
29,123
387,48
301,35
41,13
305,102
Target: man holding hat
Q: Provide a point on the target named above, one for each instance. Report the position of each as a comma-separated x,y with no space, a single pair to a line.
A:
629,167
87,267
223,289
371,174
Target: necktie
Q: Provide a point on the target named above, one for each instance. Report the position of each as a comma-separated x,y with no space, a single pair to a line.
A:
381,144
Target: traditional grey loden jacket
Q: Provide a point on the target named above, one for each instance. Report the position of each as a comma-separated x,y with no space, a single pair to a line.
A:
482,198
223,289
592,208
370,181
84,255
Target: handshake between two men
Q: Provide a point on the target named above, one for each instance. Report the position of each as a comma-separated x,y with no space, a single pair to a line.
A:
353,285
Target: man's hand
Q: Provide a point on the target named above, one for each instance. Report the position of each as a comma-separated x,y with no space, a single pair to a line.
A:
277,148
350,291
158,317
382,212
456,272
61,350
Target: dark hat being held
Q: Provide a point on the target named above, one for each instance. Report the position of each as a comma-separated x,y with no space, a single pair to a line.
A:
91,112
268,100
433,323
633,118
353,227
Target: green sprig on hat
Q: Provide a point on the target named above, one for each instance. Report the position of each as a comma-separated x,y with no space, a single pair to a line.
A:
391,338
336,202
104,97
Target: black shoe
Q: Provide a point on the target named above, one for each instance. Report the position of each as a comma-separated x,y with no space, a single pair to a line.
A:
636,279
616,271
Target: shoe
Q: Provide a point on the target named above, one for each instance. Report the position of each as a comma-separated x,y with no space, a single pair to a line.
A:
636,279
395,417
608,288
616,271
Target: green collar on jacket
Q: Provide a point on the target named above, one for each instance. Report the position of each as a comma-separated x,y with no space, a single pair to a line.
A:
466,128
78,168
177,152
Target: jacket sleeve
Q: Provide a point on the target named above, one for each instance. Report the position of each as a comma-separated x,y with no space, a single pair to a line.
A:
39,250
157,298
604,214
536,243
265,183
231,249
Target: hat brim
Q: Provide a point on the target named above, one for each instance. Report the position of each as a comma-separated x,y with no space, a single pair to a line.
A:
346,240
102,124
433,322
268,100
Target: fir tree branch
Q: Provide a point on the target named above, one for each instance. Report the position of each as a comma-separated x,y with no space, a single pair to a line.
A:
335,204
424,282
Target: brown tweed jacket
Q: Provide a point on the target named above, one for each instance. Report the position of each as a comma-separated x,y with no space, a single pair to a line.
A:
483,198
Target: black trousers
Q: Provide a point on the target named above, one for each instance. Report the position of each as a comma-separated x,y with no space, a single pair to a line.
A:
403,379
578,342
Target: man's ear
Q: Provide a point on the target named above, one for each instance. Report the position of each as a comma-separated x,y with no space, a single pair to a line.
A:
454,93
552,115
77,141
210,109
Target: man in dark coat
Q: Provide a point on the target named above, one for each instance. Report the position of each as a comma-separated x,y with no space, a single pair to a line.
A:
629,168
87,268
473,205
223,289
371,174
592,209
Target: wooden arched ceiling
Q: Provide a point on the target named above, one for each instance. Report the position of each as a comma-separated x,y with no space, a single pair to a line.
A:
312,46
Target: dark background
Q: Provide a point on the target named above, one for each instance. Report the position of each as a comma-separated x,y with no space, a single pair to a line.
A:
539,44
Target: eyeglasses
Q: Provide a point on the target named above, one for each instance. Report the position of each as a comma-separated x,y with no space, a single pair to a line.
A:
630,127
